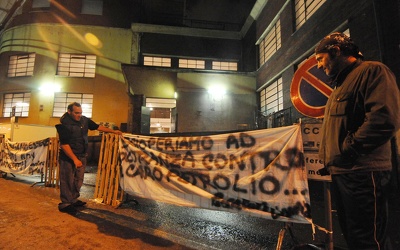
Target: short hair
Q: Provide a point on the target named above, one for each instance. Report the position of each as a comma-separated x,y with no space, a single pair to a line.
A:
72,104
345,43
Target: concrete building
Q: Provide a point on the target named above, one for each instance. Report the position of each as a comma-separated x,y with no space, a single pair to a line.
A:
181,66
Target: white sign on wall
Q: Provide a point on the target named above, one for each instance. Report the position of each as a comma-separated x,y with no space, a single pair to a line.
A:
311,143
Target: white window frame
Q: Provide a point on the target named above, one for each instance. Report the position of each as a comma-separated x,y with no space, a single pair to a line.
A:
271,97
76,65
192,63
19,100
304,9
21,65
157,61
270,43
220,65
63,99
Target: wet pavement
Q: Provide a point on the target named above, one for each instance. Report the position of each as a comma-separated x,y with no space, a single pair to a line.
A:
207,229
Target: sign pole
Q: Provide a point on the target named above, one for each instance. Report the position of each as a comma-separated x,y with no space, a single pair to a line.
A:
12,121
328,215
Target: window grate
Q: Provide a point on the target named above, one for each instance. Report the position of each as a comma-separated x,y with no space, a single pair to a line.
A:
304,9
157,61
62,100
21,65
20,101
192,64
232,66
271,98
76,65
271,43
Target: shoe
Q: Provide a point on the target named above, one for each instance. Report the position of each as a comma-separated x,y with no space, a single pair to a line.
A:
69,210
79,203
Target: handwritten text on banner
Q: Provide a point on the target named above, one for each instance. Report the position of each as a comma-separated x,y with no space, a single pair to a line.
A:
260,172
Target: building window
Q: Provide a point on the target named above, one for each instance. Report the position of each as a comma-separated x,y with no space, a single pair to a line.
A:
21,65
271,98
18,100
157,61
92,7
41,4
304,9
271,43
161,114
76,65
233,66
62,100
192,64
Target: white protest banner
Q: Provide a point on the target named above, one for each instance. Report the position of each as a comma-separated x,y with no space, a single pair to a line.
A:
24,157
259,172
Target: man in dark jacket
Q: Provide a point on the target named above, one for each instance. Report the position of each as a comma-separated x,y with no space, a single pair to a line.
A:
73,136
361,116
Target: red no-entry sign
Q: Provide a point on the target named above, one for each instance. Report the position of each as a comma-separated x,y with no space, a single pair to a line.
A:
310,90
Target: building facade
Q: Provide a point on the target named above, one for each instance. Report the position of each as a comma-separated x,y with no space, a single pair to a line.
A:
146,72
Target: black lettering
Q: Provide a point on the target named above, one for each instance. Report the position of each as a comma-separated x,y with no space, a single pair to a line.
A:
188,158
223,159
246,140
236,188
267,181
208,158
232,140
221,178
207,143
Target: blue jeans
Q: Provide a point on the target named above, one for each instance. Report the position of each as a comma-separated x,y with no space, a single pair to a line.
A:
71,181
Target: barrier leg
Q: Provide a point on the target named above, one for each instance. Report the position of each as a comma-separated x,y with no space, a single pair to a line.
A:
281,235
41,180
328,216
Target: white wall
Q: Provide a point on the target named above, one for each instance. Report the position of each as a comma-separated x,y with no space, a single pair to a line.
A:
23,132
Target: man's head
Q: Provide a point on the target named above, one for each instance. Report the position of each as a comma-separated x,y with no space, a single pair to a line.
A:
75,111
334,52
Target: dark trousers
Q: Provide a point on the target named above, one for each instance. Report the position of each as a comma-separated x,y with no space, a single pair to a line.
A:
362,207
71,181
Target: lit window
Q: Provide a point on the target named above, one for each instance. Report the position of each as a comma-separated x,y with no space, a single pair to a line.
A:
18,100
62,100
157,61
271,97
76,65
224,65
192,64
92,7
271,43
21,65
304,9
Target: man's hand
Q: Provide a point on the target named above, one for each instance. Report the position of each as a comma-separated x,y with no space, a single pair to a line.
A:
118,132
78,163
108,130
323,172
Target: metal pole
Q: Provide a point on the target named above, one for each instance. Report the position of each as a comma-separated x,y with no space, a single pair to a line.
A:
328,215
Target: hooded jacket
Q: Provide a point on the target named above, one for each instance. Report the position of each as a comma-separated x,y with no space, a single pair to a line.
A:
361,116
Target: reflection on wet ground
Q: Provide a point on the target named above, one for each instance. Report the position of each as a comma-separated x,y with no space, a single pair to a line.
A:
208,229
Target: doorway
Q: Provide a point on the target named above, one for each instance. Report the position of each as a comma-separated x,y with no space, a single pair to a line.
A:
162,115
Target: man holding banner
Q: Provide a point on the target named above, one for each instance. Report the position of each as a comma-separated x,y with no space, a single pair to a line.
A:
73,135
361,116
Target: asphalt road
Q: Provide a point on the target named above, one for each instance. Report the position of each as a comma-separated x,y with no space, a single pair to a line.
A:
146,224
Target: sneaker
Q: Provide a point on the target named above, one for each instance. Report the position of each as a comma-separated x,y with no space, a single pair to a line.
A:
69,210
79,203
